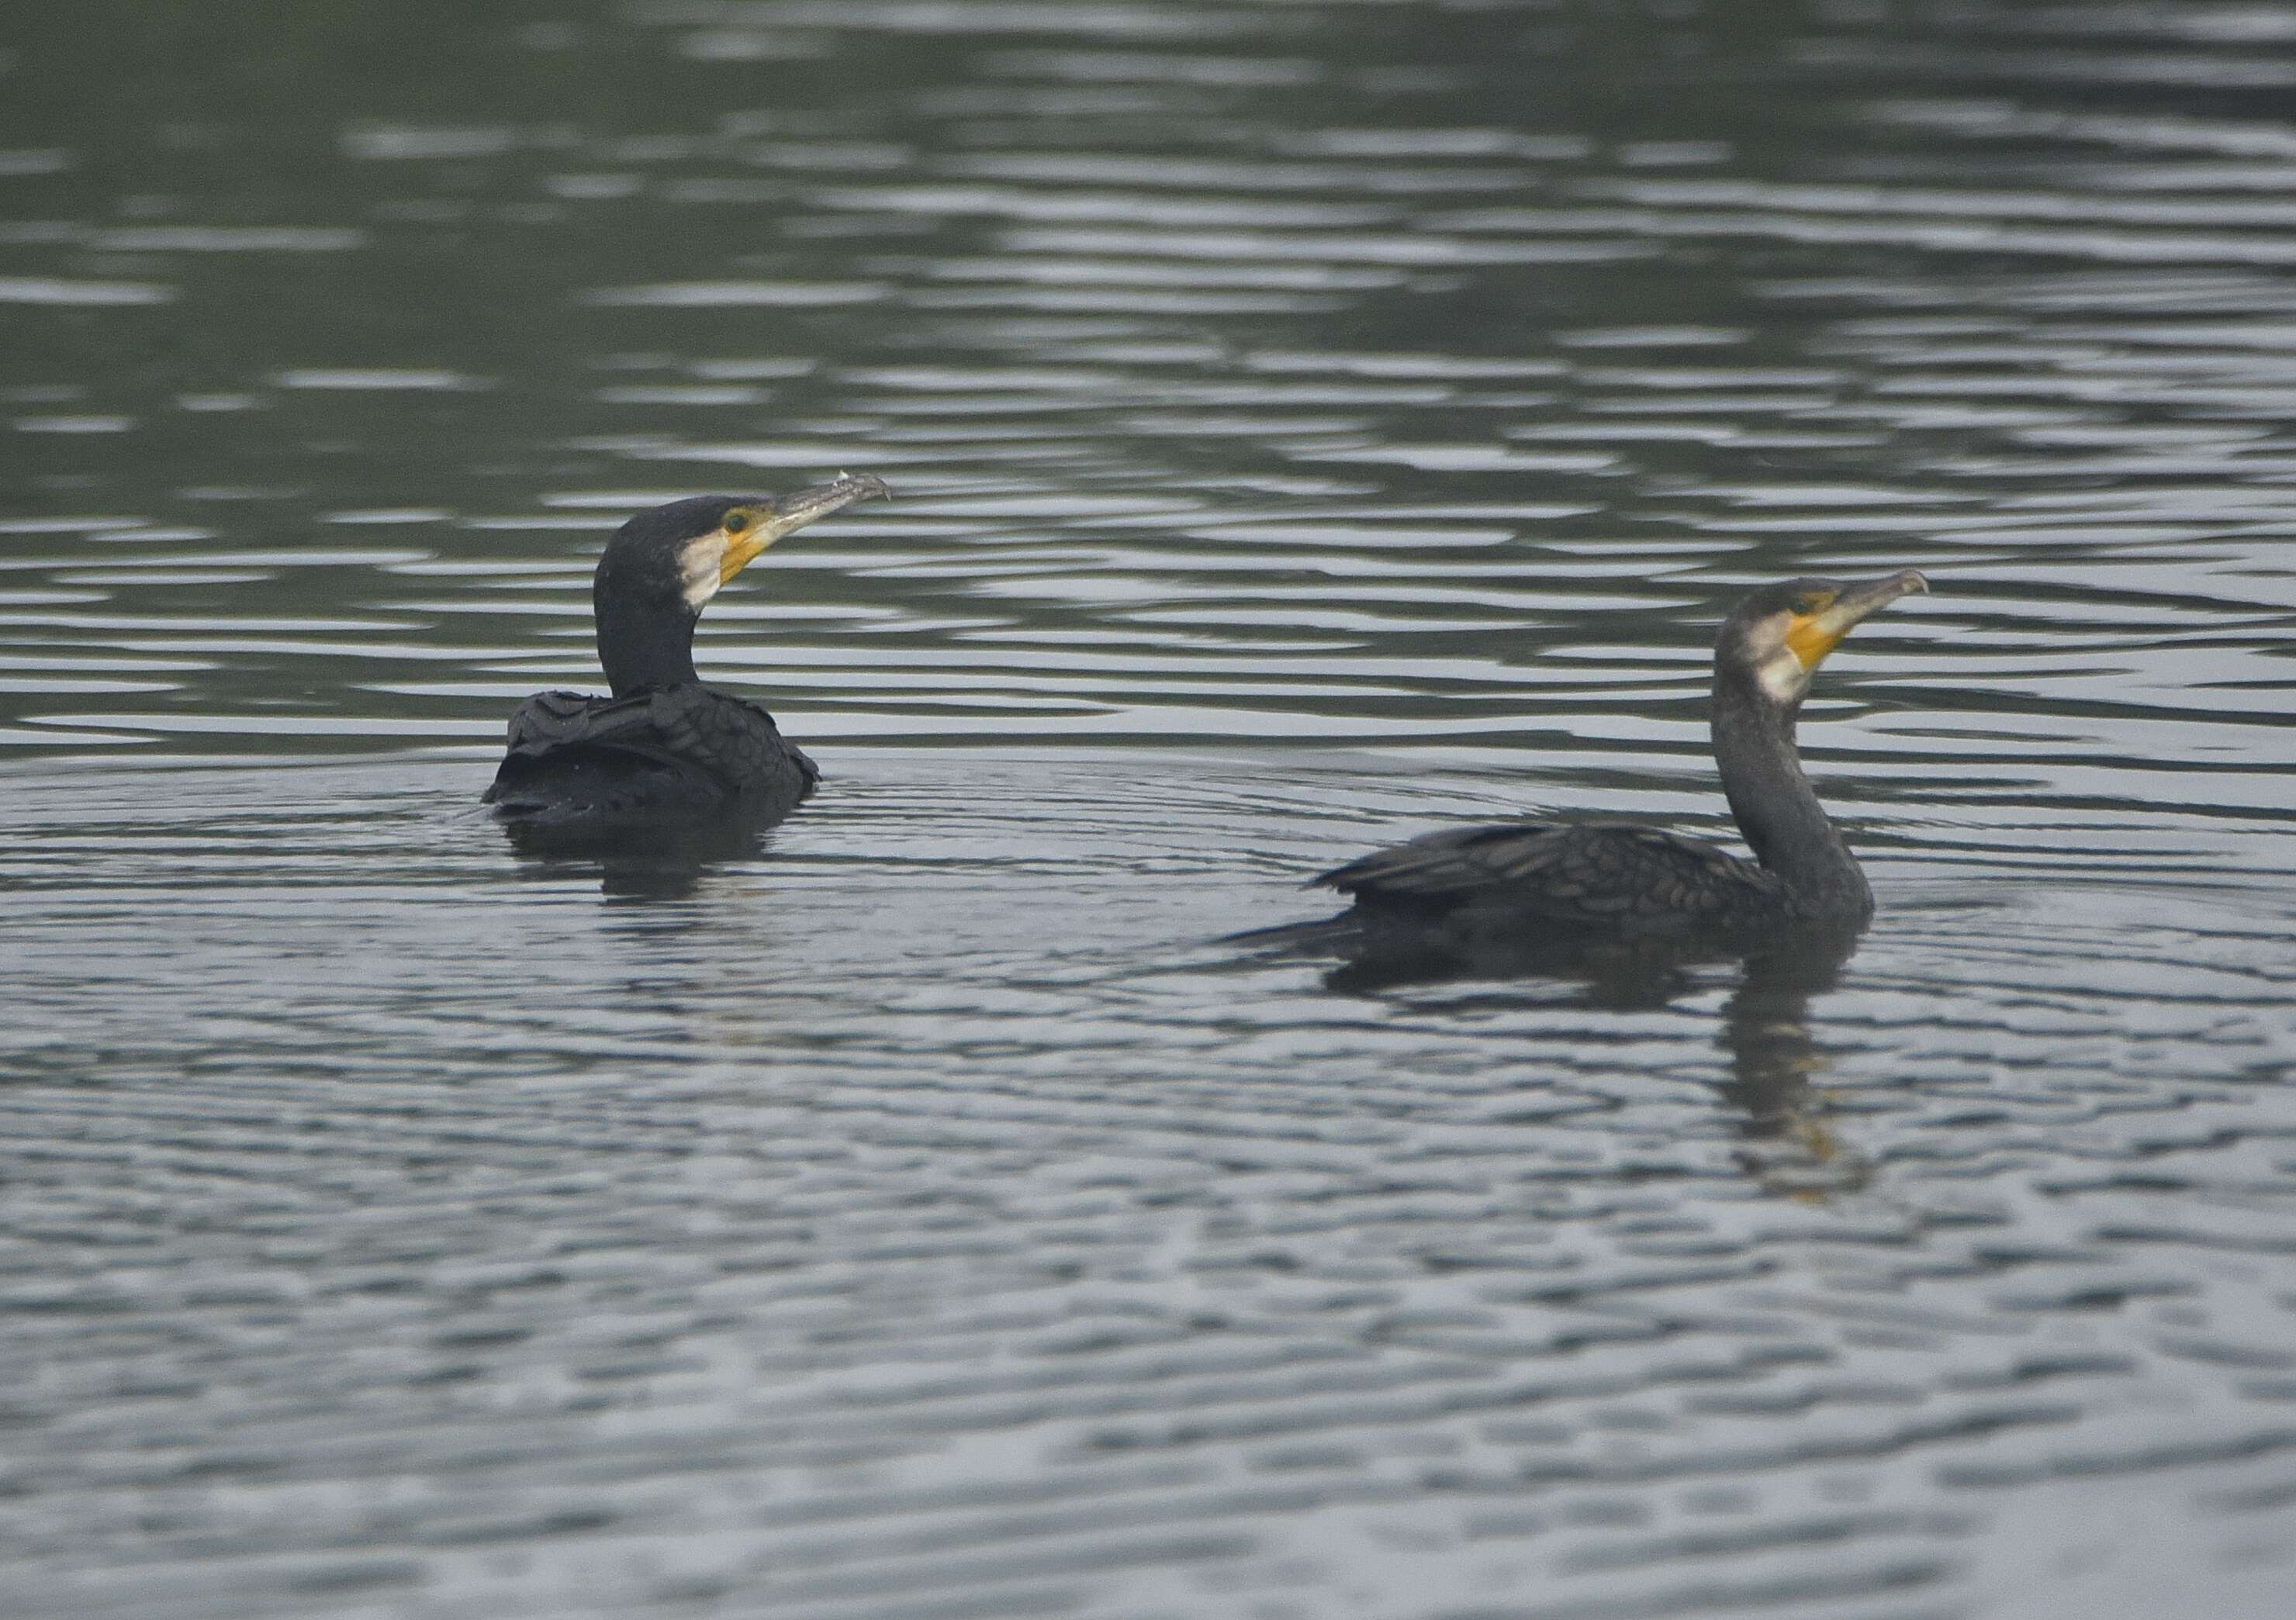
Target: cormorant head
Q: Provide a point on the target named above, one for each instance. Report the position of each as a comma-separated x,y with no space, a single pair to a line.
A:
1778,636
663,566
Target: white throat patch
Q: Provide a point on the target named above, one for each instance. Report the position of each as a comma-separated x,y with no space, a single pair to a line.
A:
1782,676
698,568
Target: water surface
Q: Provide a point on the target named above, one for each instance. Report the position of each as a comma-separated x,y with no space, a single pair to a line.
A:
1312,424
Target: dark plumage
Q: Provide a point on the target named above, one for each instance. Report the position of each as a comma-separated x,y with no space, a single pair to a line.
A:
1551,884
664,748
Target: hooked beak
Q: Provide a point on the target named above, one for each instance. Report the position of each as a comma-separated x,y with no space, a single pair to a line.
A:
1813,636
793,512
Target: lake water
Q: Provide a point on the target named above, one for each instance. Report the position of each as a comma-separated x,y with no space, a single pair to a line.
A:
1310,424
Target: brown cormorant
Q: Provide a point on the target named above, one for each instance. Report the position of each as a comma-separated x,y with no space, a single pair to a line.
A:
1557,886
664,748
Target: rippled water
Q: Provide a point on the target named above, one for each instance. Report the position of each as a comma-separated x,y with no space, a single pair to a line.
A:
1310,424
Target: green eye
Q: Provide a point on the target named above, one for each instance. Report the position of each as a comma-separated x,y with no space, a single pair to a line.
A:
736,522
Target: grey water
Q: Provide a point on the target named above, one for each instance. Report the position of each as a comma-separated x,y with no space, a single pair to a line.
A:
1310,424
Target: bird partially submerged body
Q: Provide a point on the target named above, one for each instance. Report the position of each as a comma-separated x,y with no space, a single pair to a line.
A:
664,750
1534,893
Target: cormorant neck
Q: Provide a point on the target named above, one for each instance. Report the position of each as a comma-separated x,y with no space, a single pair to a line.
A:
1777,808
643,641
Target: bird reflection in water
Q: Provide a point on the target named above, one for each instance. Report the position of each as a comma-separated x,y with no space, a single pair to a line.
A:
635,865
1791,1146
1777,1066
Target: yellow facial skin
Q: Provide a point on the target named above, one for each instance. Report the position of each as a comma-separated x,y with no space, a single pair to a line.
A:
1808,633
745,534
1821,618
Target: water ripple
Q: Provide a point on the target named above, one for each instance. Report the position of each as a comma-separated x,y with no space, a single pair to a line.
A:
1311,427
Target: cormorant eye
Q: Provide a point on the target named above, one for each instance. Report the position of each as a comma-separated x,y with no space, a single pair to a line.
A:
736,522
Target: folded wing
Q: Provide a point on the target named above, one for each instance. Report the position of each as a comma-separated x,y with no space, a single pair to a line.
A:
680,751
1566,875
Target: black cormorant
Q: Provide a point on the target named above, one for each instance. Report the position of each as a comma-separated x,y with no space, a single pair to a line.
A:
1555,885
664,748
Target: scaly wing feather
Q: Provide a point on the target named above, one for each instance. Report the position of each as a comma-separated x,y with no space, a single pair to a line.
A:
678,751
1591,876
